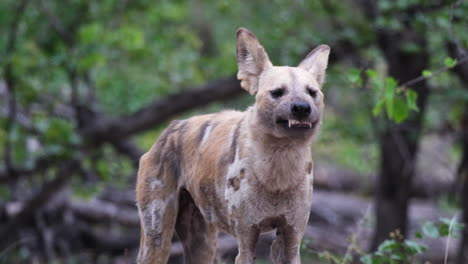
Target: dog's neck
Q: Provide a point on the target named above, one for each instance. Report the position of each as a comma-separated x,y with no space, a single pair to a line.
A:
278,163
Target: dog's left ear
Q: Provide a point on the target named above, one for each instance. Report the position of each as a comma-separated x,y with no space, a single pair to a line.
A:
316,62
252,60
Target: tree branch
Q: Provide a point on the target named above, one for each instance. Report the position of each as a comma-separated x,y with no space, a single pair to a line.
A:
460,54
103,212
49,189
459,65
161,110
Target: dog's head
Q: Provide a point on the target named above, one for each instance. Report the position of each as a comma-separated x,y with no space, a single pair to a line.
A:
289,101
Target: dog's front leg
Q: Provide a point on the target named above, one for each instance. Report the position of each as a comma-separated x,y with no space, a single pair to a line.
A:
247,239
285,249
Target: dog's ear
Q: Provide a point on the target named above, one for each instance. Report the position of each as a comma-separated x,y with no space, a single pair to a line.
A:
316,62
252,60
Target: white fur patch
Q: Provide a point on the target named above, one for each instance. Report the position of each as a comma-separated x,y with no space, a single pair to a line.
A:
152,218
206,134
143,251
235,197
156,183
311,183
154,212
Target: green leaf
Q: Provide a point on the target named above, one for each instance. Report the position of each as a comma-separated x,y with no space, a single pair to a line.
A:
400,110
450,62
415,248
366,259
388,245
354,76
418,235
430,230
90,33
426,73
378,107
128,38
444,227
390,86
411,97
389,107
90,60
371,73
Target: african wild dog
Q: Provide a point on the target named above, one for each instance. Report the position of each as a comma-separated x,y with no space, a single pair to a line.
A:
237,172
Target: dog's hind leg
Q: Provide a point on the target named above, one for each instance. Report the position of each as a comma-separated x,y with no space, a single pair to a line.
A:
158,213
158,183
157,223
197,236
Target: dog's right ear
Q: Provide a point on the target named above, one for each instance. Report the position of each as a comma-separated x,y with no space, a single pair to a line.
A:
252,60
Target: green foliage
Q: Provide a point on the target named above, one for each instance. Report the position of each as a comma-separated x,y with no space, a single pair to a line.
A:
394,251
397,249
426,73
400,250
430,230
450,62
397,102
443,228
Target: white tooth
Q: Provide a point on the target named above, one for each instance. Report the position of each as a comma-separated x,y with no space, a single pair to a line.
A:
309,124
289,123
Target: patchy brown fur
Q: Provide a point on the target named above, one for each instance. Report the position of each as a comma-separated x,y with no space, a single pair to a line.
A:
238,172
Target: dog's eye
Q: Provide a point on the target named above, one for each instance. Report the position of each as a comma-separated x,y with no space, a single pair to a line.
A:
312,92
277,93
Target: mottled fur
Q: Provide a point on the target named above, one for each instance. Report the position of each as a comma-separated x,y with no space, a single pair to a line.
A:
238,172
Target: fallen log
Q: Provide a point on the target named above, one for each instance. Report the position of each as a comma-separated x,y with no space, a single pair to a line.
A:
98,211
334,218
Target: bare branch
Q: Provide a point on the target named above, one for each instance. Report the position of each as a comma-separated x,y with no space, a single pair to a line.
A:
49,189
162,110
418,79
102,212
461,69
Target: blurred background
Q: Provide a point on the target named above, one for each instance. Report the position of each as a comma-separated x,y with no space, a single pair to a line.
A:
86,87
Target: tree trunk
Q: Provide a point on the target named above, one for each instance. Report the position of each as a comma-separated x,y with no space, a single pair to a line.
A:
456,51
463,172
399,142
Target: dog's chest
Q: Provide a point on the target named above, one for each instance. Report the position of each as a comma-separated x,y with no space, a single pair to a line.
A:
250,200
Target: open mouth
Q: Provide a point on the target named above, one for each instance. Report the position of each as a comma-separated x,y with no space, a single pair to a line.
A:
292,123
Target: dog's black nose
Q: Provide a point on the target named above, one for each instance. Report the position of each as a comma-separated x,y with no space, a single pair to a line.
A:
300,109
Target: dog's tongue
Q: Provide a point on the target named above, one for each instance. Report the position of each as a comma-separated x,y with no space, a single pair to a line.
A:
299,124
